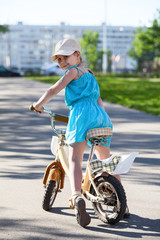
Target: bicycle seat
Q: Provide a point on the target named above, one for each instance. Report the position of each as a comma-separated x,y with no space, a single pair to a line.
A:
99,133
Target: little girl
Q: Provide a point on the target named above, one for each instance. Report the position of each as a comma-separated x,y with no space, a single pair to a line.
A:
82,96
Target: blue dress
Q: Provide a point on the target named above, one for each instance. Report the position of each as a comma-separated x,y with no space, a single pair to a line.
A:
81,97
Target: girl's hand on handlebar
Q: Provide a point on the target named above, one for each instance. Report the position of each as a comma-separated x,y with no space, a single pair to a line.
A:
37,109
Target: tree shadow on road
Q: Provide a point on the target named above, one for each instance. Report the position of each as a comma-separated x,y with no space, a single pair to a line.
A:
136,227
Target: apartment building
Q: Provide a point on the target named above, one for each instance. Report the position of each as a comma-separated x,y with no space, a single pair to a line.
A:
29,47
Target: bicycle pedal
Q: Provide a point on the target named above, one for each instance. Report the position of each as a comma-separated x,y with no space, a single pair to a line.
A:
71,203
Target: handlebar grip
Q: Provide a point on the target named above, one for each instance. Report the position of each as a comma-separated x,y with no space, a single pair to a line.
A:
61,118
57,117
31,108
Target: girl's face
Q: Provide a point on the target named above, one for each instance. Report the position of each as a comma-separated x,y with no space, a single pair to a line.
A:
65,62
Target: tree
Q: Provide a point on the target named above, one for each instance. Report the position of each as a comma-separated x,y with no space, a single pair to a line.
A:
92,55
109,60
146,44
4,28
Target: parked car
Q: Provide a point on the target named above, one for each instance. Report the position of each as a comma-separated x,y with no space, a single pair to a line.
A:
51,70
6,72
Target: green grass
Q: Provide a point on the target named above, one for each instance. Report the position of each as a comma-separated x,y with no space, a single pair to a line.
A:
45,79
137,93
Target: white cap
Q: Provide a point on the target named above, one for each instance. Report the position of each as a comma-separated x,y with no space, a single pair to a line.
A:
66,47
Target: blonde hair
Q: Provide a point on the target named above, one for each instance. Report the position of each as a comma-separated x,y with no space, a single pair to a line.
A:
82,61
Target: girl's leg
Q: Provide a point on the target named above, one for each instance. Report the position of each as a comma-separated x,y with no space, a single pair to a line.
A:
103,152
76,152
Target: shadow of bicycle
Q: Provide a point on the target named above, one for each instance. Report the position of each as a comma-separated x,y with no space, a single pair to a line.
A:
134,227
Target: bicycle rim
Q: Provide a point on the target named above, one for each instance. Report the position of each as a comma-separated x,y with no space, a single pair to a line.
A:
113,208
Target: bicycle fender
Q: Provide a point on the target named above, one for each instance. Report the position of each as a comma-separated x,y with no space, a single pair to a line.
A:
54,170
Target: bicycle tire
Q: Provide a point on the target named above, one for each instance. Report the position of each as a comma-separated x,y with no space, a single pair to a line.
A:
112,211
50,194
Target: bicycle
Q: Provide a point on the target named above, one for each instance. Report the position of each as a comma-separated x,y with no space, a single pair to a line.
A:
98,185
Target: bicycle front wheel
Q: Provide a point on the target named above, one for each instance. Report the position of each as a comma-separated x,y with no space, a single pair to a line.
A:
50,193
114,206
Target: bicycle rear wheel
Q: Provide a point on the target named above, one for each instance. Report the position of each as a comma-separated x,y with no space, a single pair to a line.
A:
50,193
114,206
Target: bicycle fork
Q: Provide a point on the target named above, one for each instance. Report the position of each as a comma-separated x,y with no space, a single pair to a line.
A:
59,167
54,170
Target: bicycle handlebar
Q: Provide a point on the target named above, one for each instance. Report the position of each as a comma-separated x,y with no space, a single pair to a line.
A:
60,118
55,116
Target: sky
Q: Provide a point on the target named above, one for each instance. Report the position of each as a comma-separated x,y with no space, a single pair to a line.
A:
82,12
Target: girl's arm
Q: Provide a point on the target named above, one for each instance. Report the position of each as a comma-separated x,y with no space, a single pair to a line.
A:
100,102
55,89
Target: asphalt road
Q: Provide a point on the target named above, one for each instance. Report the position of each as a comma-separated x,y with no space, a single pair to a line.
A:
25,151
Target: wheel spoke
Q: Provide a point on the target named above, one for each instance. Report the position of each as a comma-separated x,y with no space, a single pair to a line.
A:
114,205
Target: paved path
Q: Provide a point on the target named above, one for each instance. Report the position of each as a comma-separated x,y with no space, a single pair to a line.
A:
24,153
